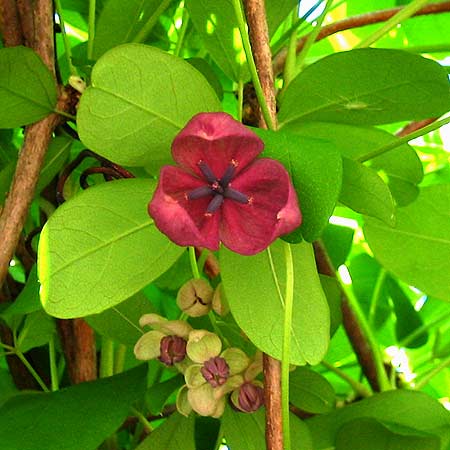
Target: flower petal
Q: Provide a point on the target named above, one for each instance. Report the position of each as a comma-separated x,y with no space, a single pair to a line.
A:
204,401
148,345
193,376
236,359
216,139
183,221
203,345
273,210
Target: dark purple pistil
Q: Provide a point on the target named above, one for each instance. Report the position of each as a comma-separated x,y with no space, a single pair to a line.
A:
218,188
172,350
215,371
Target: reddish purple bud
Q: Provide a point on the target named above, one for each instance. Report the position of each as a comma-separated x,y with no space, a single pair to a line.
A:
216,371
221,192
251,397
172,350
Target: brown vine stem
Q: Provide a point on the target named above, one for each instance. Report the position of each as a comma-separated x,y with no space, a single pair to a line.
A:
31,157
414,126
10,23
259,40
353,330
36,25
356,22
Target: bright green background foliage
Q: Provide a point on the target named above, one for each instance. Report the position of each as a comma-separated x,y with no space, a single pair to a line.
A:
380,207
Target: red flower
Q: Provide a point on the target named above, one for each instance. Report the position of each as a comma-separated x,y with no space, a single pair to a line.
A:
221,192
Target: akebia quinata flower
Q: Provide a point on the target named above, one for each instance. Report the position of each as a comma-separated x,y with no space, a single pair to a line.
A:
220,191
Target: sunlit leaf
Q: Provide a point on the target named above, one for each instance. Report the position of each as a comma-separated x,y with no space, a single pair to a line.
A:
100,248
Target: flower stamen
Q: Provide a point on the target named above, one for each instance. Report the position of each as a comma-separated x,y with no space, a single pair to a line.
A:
207,172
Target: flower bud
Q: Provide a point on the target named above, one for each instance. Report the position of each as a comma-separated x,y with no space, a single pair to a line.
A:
216,371
195,297
249,398
219,302
172,350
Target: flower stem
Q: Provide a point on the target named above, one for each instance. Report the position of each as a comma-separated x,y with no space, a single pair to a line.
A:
401,16
240,105
358,387
107,358
422,329
193,261
376,295
68,50
30,368
53,366
425,379
142,419
119,358
403,140
182,32
382,378
251,64
285,360
91,30
147,28
312,37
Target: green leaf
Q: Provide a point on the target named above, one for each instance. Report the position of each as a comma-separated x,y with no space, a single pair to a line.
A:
26,302
139,100
365,272
6,176
100,248
243,430
365,192
277,11
157,395
315,167
247,431
37,330
7,386
74,418
258,308
370,434
55,157
310,391
177,432
333,294
401,408
120,22
401,168
367,87
417,249
27,88
408,319
121,323
338,241
216,23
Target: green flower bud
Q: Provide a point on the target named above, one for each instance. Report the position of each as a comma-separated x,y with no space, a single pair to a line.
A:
195,297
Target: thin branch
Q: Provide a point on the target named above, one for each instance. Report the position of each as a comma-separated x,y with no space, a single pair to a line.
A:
414,126
354,332
31,158
356,22
10,26
259,40
78,344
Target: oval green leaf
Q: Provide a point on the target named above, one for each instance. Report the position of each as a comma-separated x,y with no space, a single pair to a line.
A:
74,418
139,100
258,306
310,391
365,192
101,247
27,88
367,87
417,249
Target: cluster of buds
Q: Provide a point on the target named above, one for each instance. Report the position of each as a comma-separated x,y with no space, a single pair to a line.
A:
211,373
